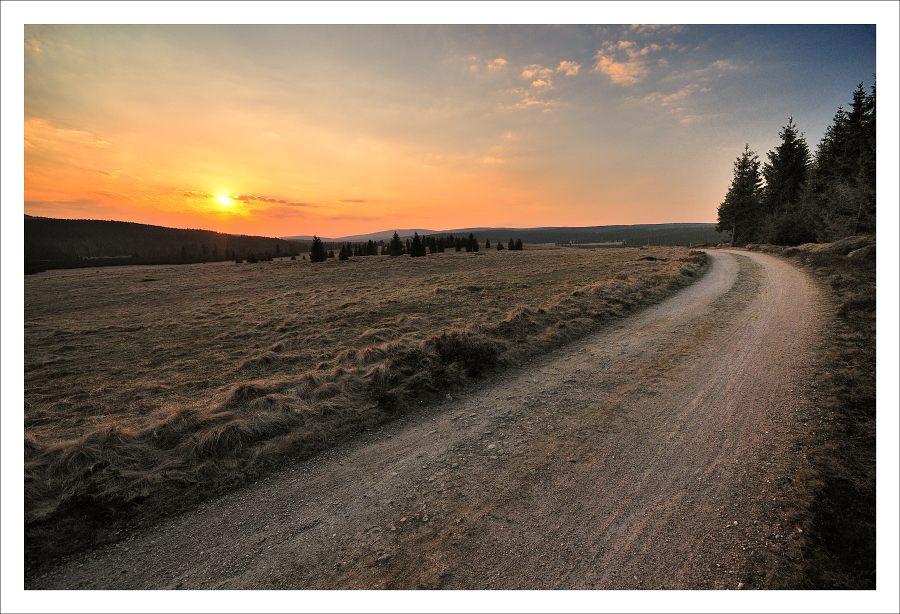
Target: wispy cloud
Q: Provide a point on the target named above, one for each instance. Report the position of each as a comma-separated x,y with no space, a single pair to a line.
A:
352,200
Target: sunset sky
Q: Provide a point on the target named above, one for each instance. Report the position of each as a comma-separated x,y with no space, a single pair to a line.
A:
346,129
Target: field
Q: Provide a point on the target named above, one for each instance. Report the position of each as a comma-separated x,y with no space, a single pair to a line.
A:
148,389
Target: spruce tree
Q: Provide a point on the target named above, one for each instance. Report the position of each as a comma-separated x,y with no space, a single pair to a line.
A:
487,244
786,174
395,248
519,245
739,212
317,251
842,184
512,245
417,248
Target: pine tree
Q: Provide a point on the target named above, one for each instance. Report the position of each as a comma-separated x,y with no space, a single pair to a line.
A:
512,245
739,212
342,255
499,246
487,244
519,245
317,251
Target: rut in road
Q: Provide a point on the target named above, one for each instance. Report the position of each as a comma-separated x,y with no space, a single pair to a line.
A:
653,454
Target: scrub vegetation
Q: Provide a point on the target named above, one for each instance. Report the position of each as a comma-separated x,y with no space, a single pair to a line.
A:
149,389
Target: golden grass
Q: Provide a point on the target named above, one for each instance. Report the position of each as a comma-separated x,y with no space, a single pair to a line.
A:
142,397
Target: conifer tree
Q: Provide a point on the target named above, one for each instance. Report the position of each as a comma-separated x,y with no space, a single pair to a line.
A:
395,248
739,212
487,244
519,245
317,251
512,245
417,248
786,173
842,189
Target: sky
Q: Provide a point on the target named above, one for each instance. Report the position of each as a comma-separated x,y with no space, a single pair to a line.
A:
337,130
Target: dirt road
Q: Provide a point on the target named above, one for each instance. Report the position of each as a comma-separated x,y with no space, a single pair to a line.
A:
654,454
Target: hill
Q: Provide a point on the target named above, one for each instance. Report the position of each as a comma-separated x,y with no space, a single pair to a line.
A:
640,234
63,244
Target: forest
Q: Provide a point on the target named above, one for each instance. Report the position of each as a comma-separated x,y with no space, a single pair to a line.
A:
797,197
67,244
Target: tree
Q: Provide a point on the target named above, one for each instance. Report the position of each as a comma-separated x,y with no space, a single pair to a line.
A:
487,244
842,178
519,245
512,245
786,171
499,246
739,212
343,255
417,248
317,251
395,247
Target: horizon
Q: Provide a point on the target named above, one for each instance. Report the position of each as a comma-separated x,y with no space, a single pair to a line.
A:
346,130
387,231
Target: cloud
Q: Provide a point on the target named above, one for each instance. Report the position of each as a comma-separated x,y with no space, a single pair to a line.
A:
623,73
110,195
542,85
531,102
107,173
669,99
536,70
490,160
195,193
655,29
253,198
497,64
624,62
352,200
569,69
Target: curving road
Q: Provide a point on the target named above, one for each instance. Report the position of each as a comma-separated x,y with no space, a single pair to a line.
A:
654,454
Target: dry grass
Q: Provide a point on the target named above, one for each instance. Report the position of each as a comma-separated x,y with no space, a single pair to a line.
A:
834,502
148,389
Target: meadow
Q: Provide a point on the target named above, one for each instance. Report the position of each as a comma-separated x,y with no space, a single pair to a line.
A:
151,388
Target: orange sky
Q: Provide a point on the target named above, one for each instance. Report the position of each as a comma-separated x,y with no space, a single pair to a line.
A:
340,130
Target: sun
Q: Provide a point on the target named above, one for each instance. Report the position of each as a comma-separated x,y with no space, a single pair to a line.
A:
224,200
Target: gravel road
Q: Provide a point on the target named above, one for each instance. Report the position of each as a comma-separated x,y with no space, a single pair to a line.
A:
651,455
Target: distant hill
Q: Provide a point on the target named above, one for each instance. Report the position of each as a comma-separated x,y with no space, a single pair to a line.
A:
63,244
640,234
384,235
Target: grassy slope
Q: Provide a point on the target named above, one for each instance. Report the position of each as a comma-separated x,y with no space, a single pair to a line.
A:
148,389
834,502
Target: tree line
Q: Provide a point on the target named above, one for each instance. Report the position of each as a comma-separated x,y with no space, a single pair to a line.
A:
797,197
415,247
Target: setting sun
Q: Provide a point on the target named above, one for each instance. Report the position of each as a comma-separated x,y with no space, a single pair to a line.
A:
224,200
